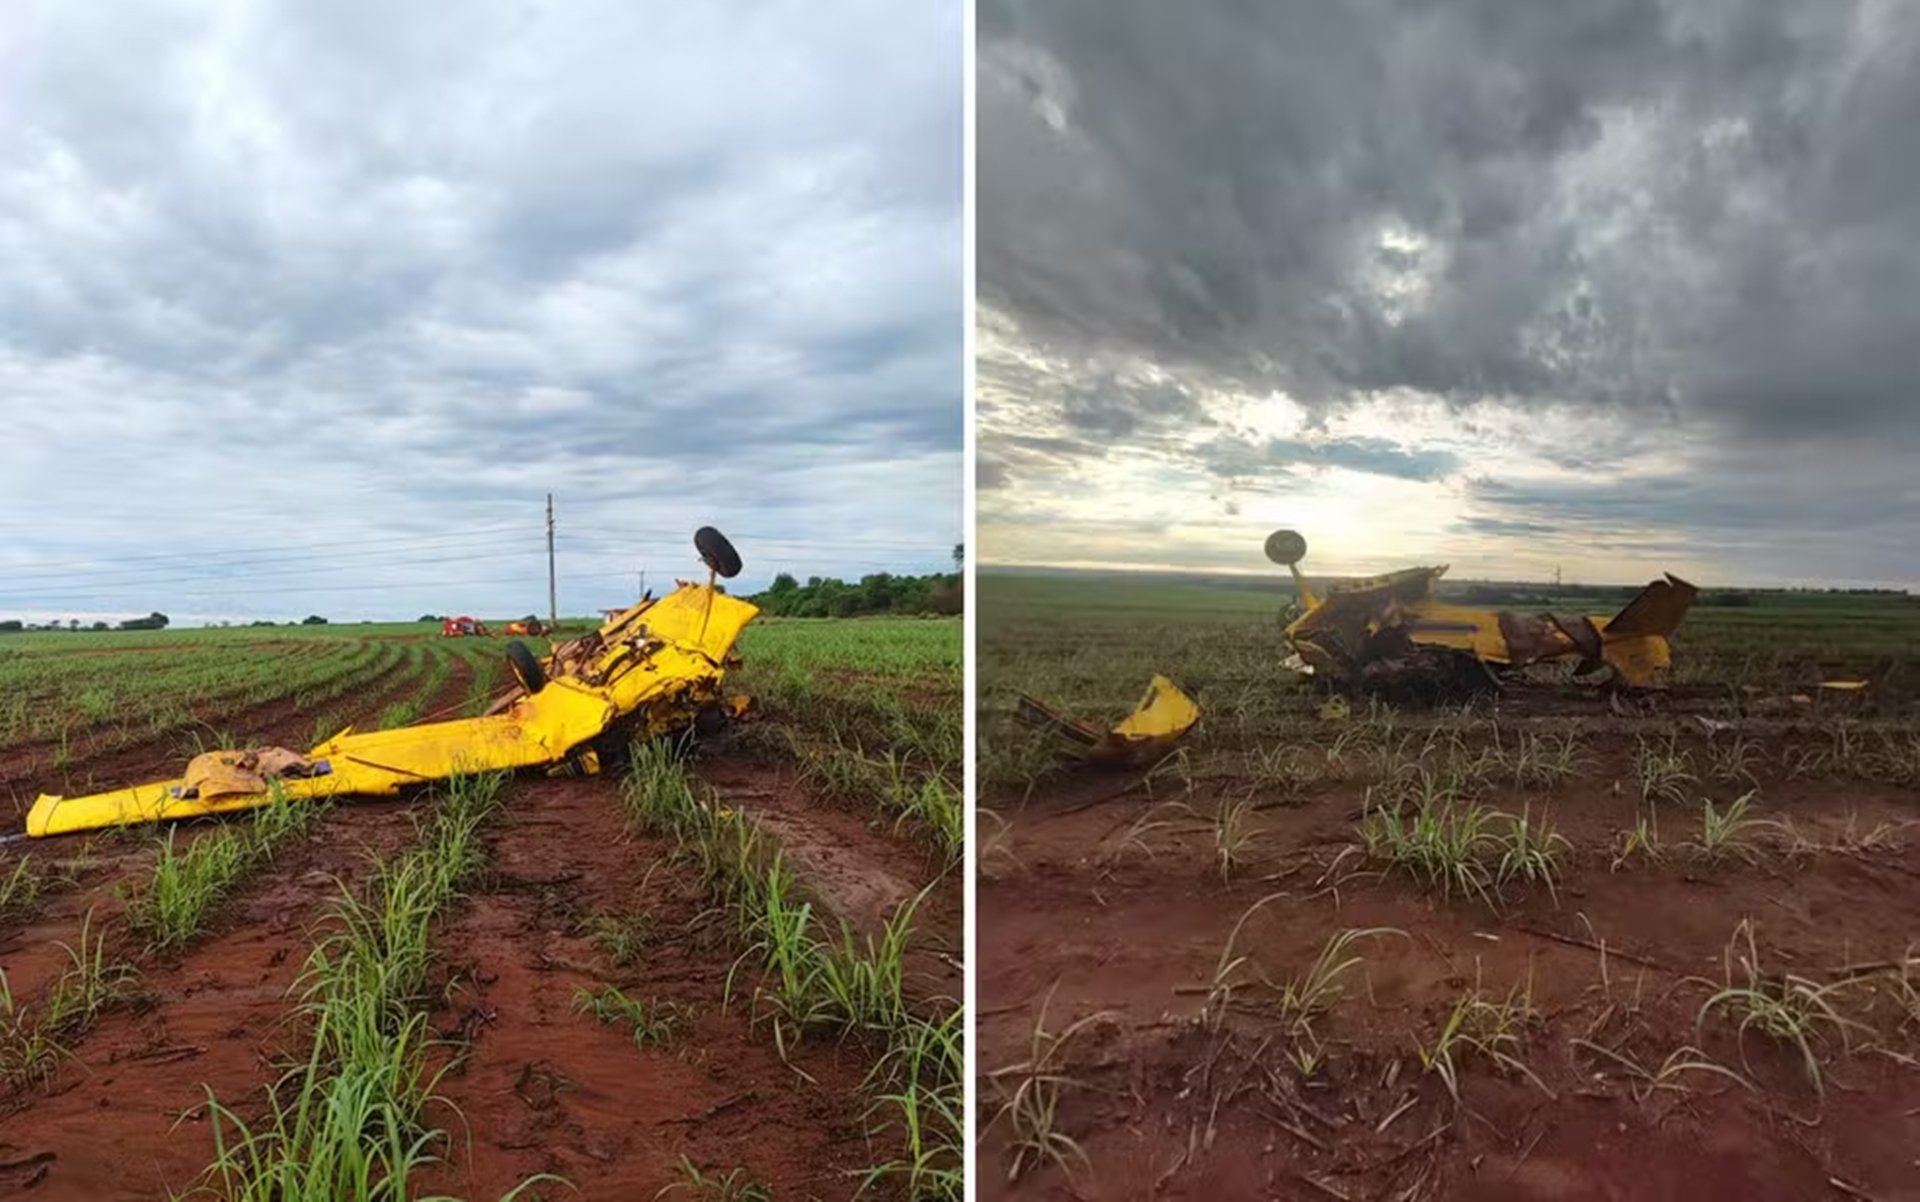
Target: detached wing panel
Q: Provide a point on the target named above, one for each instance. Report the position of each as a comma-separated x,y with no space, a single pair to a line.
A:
535,730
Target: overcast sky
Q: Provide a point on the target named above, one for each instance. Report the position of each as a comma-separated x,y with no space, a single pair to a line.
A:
364,282
1620,285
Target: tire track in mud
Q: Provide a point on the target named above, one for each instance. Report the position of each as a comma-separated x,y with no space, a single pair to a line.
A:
544,1088
857,869
111,1127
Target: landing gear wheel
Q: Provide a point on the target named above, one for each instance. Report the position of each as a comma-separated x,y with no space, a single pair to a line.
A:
710,721
716,552
526,668
1286,547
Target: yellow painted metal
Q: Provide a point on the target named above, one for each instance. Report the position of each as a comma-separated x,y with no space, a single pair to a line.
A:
658,663
1164,715
1335,628
1162,718
1638,660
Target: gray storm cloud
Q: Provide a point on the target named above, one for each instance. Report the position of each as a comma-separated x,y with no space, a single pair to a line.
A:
296,273
1697,220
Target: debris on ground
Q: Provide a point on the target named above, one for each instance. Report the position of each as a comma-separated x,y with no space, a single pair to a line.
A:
1162,718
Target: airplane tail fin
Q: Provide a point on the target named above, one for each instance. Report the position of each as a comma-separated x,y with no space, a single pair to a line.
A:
1658,609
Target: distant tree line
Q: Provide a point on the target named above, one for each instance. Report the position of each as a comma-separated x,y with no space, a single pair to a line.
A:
153,621
879,593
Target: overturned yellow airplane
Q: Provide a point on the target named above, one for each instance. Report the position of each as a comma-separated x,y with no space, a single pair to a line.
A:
653,669
1391,628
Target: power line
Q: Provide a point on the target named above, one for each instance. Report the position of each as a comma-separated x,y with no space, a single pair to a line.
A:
613,545
782,540
532,577
84,565
47,592
244,572
257,559
267,567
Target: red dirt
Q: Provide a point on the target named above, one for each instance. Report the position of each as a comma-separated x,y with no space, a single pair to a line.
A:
1168,1107
94,871
99,866
547,1089
211,1018
544,1088
858,868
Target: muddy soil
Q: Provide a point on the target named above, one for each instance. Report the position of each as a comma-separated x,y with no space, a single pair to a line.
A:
93,871
546,1088
126,1118
1123,925
856,866
543,1088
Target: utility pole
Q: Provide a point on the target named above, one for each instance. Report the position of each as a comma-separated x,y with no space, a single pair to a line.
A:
553,591
643,582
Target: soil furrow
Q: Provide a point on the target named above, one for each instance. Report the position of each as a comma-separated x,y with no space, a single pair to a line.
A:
545,1088
1102,902
859,870
126,1117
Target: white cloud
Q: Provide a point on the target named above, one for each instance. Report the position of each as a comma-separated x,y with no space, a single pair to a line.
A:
298,274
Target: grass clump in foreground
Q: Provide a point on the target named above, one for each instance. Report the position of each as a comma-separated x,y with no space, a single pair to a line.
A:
1490,1030
1464,847
653,1021
351,1122
734,1186
20,888
808,984
1030,1092
916,797
171,908
1787,1009
33,1040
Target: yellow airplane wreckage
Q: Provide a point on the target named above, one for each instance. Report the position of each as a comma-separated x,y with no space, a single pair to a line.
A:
1383,628
1391,631
1163,717
653,669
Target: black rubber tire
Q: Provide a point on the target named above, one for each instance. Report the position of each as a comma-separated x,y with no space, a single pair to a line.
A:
1286,547
716,552
525,666
709,721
